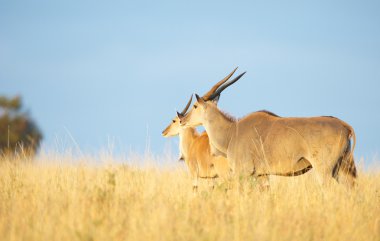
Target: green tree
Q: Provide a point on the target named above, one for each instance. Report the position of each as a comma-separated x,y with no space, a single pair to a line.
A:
18,132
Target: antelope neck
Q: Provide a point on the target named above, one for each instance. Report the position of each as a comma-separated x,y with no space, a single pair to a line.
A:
186,137
219,129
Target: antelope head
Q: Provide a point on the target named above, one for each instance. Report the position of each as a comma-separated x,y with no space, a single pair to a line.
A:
205,104
174,127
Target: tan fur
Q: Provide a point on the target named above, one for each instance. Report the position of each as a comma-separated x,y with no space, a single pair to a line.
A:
262,143
195,150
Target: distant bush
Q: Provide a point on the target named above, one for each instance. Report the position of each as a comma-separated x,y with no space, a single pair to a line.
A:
18,132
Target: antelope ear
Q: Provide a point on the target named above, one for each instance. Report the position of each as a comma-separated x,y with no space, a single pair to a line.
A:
181,158
179,115
200,100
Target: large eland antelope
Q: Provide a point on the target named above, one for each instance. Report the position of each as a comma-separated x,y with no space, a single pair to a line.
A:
195,147
262,143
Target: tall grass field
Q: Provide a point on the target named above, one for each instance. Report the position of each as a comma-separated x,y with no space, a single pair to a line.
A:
65,200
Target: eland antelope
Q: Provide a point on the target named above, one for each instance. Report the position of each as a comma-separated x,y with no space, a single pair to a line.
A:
195,147
262,143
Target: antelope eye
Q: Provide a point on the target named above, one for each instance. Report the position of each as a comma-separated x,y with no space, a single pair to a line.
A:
173,121
195,106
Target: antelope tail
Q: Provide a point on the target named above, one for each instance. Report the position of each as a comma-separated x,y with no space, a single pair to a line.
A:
348,164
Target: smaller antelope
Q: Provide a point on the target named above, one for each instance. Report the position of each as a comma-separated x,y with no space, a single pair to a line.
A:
262,143
195,147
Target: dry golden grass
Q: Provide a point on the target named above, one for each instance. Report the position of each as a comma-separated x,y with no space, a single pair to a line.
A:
60,201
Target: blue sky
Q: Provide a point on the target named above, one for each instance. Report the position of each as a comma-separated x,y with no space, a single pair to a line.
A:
115,71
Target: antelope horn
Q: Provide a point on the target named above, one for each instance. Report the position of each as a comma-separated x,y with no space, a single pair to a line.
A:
217,85
187,106
216,93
